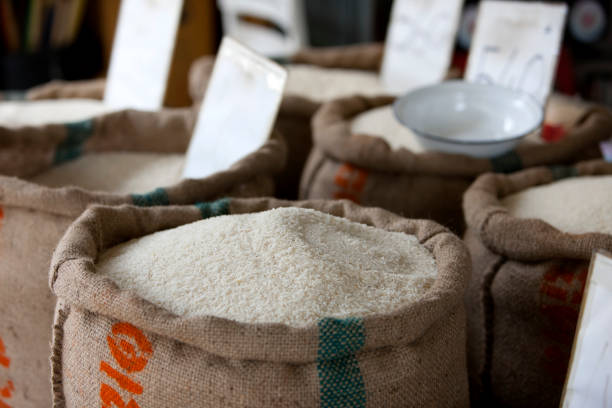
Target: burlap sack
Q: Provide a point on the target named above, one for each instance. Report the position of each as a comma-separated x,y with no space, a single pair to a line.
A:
430,185
111,345
59,89
295,113
525,293
35,217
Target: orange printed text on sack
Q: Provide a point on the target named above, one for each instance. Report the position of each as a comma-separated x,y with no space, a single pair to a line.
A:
6,390
350,181
131,351
561,296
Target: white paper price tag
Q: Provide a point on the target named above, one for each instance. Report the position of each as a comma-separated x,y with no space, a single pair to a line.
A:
419,43
142,53
239,109
516,45
589,383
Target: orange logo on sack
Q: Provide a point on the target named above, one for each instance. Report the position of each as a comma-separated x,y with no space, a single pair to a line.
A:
6,391
131,350
351,181
560,298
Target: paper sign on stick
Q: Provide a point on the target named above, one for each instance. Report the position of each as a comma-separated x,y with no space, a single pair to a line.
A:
589,383
142,53
238,112
419,43
516,45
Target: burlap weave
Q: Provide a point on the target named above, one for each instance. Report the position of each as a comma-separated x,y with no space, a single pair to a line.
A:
412,357
525,292
365,169
33,219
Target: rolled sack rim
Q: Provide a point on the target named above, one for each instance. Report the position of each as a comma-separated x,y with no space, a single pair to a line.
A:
269,159
333,136
73,279
528,239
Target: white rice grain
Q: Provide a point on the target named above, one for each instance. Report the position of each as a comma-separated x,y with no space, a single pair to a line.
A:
286,265
324,84
575,205
37,113
117,172
381,122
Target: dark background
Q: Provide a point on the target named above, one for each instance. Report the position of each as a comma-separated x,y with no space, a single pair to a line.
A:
585,65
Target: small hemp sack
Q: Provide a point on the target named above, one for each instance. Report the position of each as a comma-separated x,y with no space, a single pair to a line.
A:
526,288
111,346
365,169
33,218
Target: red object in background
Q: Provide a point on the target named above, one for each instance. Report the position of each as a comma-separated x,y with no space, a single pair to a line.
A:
565,79
552,133
460,61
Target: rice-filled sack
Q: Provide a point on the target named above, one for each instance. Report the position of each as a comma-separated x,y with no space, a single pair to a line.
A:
315,76
56,102
61,89
38,113
361,153
258,303
124,157
531,236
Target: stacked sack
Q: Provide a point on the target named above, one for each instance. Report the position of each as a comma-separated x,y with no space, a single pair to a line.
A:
139,323
52,173
362,154
531,236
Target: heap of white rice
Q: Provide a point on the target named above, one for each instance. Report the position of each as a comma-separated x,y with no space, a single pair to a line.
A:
286,265
575,205
36,113
381,122
121,173
324,84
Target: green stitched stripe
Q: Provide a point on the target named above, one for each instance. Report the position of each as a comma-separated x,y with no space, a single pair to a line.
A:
562,172
507,163
340,380
76,135
155,197
214,208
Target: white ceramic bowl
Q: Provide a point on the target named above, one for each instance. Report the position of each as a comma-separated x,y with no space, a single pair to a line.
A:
468,118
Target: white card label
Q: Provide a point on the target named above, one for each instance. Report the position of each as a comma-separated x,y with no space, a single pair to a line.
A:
239,110
142,53
516,45
589,383
419,43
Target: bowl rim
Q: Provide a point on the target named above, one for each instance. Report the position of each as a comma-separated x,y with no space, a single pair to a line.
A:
443,139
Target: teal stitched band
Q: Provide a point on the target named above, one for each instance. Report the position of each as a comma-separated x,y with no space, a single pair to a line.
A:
214,208
155,197
507,163
76,135
562,172
340,380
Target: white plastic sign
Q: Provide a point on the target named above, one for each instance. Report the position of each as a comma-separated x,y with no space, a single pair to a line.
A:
239,109
589,383
419,43
142,53
516,45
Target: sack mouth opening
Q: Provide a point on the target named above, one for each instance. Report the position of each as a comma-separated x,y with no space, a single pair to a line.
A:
532,239
73,278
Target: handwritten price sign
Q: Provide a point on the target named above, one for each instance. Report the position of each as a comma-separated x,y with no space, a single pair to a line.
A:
419,43
516,45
